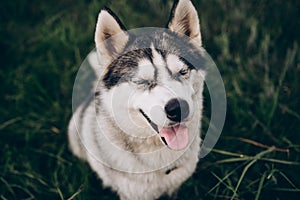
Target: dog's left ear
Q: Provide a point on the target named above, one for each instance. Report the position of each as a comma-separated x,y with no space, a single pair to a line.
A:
184,20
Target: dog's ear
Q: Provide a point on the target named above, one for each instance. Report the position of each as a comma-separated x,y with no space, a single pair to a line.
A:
110,36
184,20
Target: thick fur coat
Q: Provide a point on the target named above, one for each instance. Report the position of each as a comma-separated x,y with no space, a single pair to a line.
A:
140,130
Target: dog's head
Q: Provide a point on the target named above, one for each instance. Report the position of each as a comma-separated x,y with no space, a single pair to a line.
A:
153,78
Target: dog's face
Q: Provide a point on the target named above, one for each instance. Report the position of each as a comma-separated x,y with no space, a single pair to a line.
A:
153,81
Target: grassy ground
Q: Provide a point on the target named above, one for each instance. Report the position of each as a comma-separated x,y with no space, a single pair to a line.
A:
255,45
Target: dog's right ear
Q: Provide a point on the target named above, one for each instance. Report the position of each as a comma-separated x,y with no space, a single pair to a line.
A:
110,37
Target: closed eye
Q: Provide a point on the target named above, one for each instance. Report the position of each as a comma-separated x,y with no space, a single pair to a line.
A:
144,83
184,71
141,81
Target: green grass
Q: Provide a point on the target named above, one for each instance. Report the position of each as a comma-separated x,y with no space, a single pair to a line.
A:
255,45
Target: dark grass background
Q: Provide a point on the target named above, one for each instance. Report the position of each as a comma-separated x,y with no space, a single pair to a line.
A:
255,45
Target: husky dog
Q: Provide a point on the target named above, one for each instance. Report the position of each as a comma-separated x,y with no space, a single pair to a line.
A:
140,132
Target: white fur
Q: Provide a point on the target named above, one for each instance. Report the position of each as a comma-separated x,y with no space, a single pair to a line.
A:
118,142
146,70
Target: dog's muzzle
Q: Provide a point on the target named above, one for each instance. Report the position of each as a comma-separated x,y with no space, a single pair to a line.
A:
153,125
176,135
177,110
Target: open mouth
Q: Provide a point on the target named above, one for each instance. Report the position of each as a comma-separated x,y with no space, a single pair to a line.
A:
152,124
176,137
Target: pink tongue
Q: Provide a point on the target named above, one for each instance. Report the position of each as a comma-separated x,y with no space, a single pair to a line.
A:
177,137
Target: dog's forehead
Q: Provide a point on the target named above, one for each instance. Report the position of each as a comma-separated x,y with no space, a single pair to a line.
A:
167,43
153,51
174,63
158,65
146,69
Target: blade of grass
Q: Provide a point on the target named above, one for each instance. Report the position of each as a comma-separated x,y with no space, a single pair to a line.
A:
290,57
289,111
31,176
279,161
61,196
51,155
7,186
230,160
31,196
286,189
243,157
222,181
265,127
225,177
56,183
76,193
260,186
258,144
3,198
288,180
242,177
9,122
227,153
247,168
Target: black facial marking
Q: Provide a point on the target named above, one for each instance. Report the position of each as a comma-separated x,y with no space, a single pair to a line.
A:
119,71
124,67
150,57
149,54
155,73
162,52
190,66
169,71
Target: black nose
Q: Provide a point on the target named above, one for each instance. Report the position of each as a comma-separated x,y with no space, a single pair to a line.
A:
177,110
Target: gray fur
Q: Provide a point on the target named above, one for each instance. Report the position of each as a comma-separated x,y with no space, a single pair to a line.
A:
112,131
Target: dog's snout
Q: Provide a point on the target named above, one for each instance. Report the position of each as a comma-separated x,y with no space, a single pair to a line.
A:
177,110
